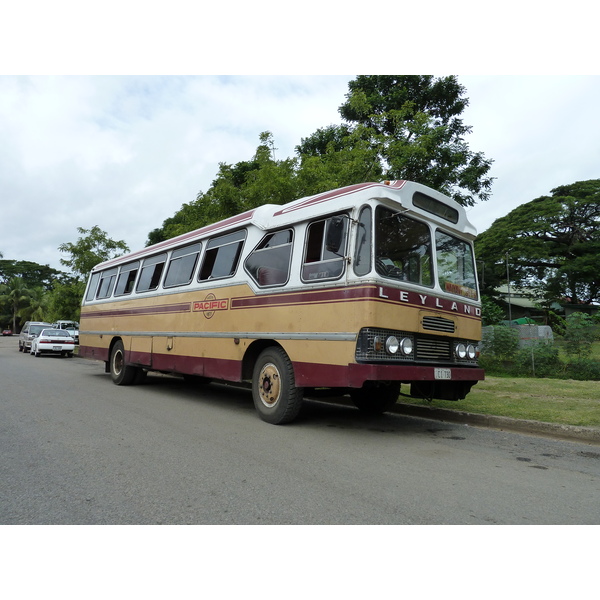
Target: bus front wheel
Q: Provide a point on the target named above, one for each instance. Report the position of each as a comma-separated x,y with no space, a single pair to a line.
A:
276,397
120,372
376,397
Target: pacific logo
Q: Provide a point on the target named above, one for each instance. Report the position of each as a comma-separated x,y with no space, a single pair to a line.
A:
210,305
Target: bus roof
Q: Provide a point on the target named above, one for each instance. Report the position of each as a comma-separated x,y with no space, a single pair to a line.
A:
271,216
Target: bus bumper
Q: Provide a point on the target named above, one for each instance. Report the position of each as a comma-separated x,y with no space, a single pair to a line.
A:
355,375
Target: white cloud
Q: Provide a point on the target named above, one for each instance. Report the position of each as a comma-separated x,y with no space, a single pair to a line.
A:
125,153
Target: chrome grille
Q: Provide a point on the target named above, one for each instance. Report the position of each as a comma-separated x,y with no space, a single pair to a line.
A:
438,324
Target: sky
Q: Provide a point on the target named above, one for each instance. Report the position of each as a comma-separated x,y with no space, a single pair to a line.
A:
122,139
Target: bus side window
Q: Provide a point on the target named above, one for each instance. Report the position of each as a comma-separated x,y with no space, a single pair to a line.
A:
107,282
182,265
320,263
362,252
93,286
151,273
126,279
269,263
222,256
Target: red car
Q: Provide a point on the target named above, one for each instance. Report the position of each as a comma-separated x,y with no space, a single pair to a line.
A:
7,332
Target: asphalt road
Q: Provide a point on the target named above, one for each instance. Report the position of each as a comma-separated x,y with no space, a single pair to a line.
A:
76,449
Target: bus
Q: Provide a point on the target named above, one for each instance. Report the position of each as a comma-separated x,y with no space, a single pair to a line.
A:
356,291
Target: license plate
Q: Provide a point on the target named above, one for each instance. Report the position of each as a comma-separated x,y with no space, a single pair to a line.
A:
442,374
57,348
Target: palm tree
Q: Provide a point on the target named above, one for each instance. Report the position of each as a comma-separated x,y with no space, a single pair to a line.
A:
36,306
16,295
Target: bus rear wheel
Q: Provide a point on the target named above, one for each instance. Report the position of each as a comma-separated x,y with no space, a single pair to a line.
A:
121,373
376,397
276,397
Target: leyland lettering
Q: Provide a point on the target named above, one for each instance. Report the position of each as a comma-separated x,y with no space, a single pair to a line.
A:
430,301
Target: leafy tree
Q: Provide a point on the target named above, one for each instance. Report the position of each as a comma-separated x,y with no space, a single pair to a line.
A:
579,335
94,247
64,300
491,312
32,273
239,187
396,127
15,295
412,130
35,306
553,245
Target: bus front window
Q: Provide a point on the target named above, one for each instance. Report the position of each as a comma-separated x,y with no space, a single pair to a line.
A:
455,264
402,248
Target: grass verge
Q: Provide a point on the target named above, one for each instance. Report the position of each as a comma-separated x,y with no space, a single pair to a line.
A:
562,401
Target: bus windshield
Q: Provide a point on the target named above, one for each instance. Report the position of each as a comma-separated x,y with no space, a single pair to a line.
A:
404,250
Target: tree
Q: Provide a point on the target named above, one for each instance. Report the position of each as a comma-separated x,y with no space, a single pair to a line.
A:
396,127
237,188
410,124
32,273
94,247
553,245
64,300
15,295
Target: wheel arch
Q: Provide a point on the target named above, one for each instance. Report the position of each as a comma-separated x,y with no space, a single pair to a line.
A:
252,353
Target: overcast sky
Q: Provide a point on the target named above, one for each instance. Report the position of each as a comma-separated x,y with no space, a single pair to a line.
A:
125,152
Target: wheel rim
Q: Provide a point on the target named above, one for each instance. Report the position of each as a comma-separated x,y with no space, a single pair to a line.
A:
117,362
269,385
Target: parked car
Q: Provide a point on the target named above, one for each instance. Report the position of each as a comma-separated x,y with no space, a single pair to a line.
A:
7,332
53,341
71,326
29,331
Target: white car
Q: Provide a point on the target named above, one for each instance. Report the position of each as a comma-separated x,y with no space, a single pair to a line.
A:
53,341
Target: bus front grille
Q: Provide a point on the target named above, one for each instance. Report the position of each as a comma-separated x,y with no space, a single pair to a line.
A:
432,349
438,324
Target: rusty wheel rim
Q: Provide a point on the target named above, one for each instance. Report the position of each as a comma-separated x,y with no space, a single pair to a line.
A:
269,388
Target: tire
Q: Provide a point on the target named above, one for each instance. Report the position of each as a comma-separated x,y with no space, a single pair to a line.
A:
376,397
120,372
276,397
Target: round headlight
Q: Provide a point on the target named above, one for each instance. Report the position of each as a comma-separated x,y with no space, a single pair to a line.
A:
406,346
461,351
391,344
471,352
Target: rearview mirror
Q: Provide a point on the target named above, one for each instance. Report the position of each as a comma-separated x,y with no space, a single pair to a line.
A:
335,234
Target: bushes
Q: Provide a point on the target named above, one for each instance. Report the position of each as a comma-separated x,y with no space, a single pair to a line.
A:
502,356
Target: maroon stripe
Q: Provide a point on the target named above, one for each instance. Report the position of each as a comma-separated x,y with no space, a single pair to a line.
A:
145,310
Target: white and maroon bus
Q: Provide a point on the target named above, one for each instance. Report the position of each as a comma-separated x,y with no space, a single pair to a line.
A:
360,290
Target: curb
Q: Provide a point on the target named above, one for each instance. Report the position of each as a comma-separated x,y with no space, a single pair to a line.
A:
589,435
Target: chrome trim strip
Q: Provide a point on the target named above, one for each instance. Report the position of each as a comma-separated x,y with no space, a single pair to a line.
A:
329,337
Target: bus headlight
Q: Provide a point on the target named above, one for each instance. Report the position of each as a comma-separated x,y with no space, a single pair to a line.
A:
471,352
461,351
406,346
391,344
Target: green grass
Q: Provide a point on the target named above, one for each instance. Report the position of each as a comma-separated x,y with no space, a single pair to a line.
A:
562,401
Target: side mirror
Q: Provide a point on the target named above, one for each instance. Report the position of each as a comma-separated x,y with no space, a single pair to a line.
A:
335,234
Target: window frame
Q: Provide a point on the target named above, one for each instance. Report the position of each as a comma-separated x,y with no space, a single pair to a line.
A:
341,257
155,260
213,244
135,266
179,254
258,249
111,275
